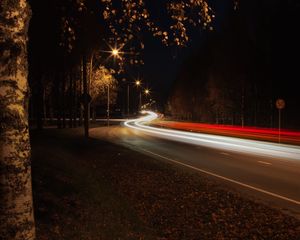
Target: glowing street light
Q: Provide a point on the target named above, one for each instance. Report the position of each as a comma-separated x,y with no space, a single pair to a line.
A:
115,52
138,83
147,91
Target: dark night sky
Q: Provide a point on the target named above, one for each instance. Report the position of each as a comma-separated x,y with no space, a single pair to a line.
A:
162,64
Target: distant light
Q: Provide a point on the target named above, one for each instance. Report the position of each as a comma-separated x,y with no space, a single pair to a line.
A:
138,82
115,52
147,91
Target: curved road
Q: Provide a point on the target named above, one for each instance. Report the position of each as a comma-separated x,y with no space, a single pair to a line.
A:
267,172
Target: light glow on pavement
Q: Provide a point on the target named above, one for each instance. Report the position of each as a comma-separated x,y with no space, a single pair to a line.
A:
258,148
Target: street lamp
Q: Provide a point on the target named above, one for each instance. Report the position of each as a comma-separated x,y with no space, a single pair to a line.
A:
147,91
115,52
138,84
128,94
108,98
128,100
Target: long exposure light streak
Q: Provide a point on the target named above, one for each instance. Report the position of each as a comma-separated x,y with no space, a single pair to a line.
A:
258,148
256,133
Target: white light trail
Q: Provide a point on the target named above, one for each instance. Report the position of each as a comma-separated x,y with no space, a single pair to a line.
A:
218,142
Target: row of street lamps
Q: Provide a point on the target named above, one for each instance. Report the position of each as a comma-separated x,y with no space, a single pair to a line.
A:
146,91
138,83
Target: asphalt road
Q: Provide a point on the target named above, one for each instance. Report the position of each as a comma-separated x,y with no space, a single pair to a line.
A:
265,178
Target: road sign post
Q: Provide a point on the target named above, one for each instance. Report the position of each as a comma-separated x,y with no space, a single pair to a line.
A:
280,104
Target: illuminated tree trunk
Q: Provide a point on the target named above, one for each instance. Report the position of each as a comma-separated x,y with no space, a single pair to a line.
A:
16,210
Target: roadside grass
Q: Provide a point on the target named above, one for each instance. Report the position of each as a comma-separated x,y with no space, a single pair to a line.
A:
91,189
73,199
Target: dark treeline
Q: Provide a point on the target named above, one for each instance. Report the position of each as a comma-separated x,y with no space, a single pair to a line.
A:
242,68
63,38
69,40
58,59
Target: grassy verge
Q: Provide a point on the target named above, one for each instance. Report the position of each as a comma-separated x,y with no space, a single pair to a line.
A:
97,190
73,199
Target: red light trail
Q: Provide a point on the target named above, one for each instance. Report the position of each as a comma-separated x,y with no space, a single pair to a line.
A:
291,137
227,143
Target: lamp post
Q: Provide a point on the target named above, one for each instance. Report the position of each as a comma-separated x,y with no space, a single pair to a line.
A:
108,100
116,54
127,99
138,84
146,92
280,104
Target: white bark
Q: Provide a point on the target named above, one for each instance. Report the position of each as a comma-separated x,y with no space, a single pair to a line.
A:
16,208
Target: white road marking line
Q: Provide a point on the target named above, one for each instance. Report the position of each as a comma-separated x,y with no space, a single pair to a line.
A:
224,153
224,178
266,163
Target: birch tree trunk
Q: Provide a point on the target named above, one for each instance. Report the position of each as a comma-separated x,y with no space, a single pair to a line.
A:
16,208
